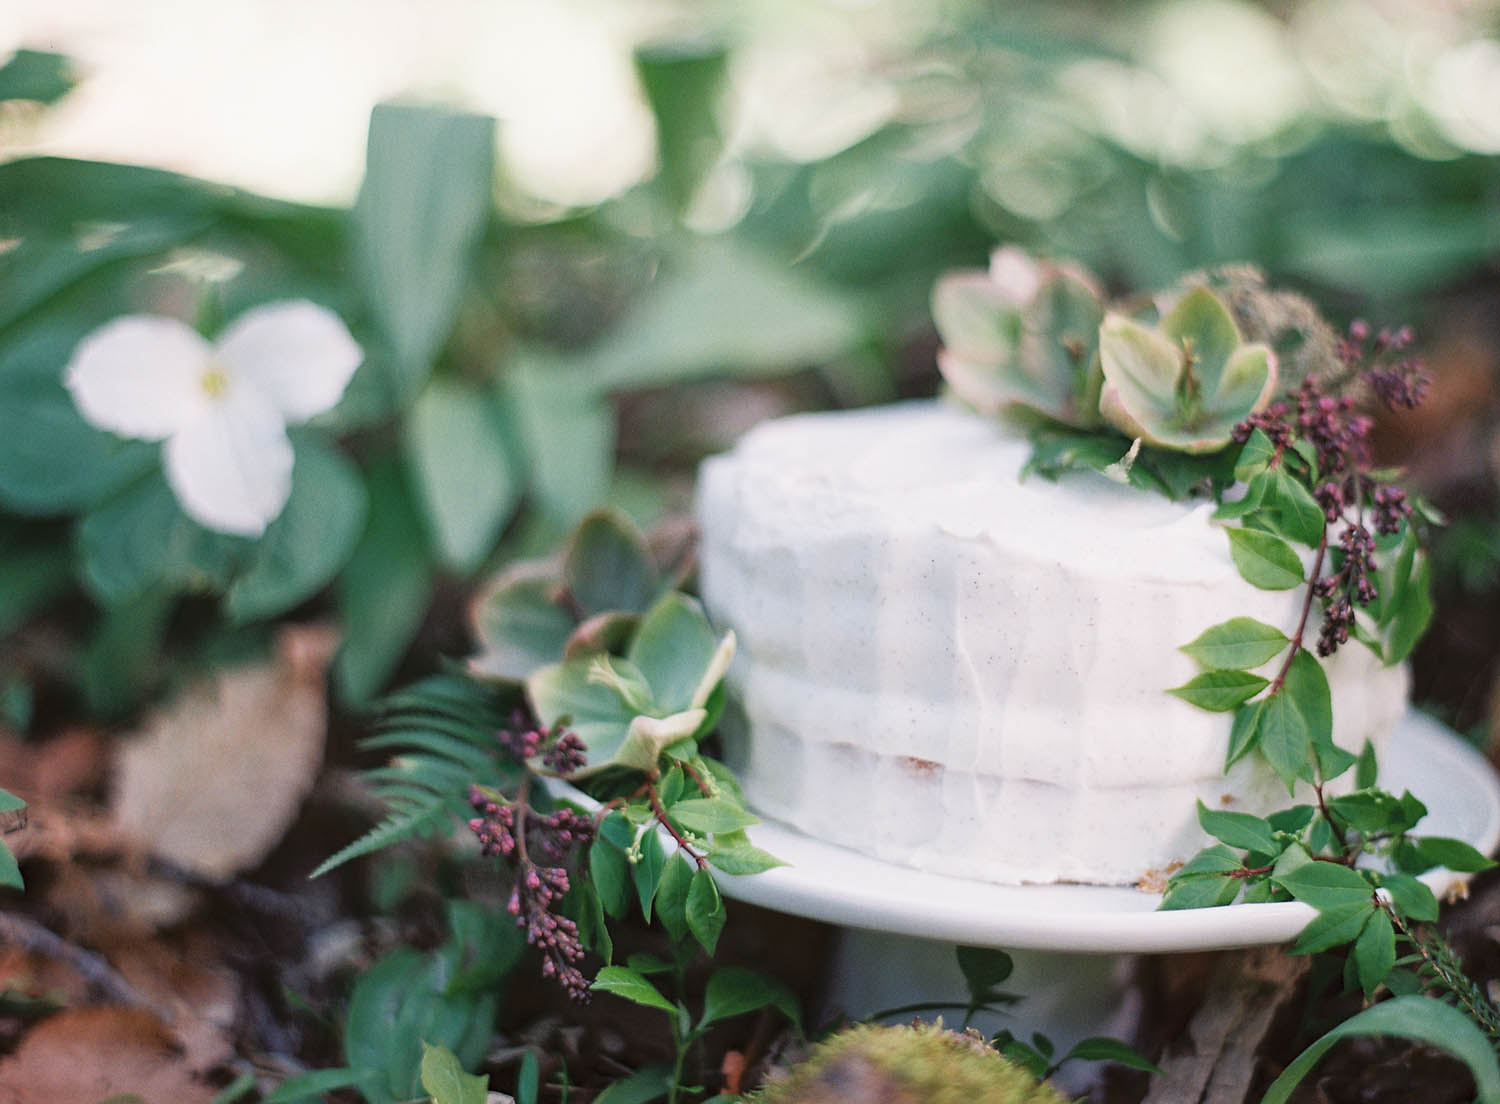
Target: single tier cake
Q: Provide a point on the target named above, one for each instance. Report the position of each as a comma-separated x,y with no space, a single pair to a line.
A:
949,666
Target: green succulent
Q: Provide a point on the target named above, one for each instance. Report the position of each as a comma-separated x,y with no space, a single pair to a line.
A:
588,599
629,709
1023,334
1187,382
920,1064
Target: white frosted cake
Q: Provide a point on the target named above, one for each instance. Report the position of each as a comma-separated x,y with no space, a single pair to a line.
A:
950,667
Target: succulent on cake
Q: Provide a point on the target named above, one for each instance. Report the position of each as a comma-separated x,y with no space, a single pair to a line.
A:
1186,382
1025,333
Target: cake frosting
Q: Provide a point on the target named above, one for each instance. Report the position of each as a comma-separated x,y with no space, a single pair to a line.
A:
949,666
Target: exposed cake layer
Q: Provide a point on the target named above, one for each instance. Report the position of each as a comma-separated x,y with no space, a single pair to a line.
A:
951,667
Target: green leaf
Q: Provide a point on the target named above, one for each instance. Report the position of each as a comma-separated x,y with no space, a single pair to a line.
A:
1367,769
1293,511
141,538
1283,736
672,895
1217,859
1244,733
983,968
1412,899
1220,691
1413,611
1375,952
711,814
10,870
122,663
1236,645
445,1080
1323,885
1105,1049
384,590
610,872
1249,833
683,80
1307,687
528,1079
709,312
421,213
36,75
608,567
1255,457
741,857
304,548
641,1087
462,466
1265,561
1452,854
733,991
645,873
1424,1019
626,983
1334,926
483,946
705,910
1201,892
310,1087
567,428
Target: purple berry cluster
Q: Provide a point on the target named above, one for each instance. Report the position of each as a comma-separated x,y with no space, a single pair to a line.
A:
561,750
1339,435
515,832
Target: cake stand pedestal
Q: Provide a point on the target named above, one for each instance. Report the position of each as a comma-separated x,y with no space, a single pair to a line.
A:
900,924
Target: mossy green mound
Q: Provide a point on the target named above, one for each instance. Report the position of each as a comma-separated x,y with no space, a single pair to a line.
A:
869,1064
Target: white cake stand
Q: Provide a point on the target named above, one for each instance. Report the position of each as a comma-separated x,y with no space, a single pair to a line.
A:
900,924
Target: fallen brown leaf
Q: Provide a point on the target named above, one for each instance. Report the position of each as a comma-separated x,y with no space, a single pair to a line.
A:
219,775
84,1055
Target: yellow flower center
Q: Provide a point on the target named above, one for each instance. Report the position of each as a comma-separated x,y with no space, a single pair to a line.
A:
214,381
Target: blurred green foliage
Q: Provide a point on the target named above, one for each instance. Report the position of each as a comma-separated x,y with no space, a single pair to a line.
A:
501,350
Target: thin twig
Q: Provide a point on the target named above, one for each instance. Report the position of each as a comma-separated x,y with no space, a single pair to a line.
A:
26,933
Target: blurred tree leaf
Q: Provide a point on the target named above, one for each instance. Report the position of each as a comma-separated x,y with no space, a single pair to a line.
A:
721,306
38,568
567,428
463,469
51,460
122,663
683,80
420,215
36,75
384,590
1390,251
141,538
314,536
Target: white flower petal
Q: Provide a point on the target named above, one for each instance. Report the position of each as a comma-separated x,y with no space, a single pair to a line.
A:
298,353
140,376
232,468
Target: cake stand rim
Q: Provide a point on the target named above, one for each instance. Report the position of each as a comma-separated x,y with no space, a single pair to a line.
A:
833,884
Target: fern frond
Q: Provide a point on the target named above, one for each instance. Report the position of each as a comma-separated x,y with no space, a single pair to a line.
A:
392,830
440,734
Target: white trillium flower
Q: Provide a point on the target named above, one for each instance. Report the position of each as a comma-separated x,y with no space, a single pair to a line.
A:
220,408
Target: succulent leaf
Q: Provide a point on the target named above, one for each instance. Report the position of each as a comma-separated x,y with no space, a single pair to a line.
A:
1186,383
586,600
1022,334
627,710
519,623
